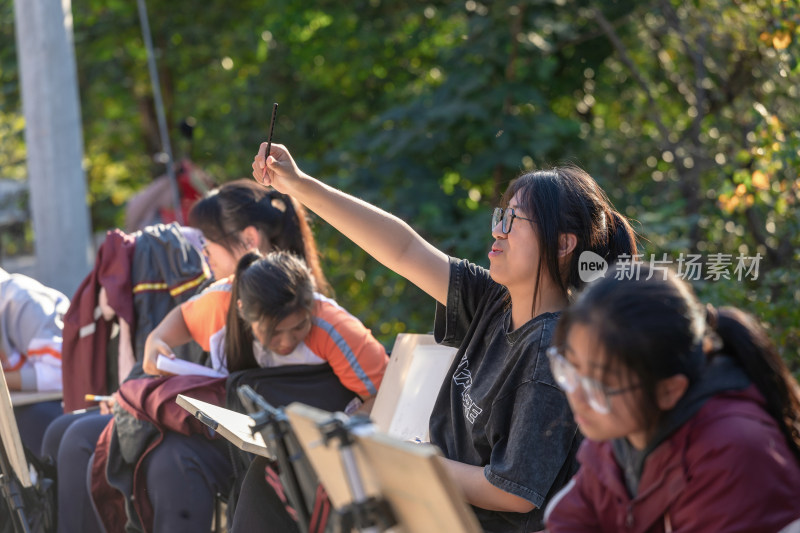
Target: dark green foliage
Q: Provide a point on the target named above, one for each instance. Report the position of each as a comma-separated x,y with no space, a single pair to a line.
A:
684,111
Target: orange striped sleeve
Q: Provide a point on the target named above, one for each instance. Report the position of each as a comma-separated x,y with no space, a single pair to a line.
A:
45,350
205,313
356,357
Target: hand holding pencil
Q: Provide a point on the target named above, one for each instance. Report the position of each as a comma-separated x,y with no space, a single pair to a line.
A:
105,402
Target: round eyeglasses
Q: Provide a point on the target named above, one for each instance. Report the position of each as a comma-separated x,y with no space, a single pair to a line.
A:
507,216
567,377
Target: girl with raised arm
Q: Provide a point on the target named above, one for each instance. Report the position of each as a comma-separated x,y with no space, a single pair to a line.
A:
691,418
502,424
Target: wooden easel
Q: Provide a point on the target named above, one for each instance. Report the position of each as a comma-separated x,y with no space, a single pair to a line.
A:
409,476
14,474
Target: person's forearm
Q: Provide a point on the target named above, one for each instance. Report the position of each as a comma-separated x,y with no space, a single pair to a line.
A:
480,493
384,236
170,332
366,407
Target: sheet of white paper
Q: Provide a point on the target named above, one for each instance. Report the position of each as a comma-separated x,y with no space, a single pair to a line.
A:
183,367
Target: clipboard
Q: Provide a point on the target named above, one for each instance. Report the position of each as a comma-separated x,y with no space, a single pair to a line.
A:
411,477
233,426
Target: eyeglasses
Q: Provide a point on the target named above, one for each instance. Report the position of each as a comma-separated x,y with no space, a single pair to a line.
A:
567,377
507,216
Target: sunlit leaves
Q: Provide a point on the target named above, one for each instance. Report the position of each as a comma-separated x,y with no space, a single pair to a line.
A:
722,79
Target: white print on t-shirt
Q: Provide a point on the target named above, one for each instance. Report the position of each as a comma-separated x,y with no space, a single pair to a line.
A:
463,378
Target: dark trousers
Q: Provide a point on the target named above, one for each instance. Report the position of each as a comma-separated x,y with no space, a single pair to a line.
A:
33,420
259,508
71,440
184,474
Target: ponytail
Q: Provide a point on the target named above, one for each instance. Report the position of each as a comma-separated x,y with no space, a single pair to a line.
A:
238,335
280,219
620,237
745,340
310,253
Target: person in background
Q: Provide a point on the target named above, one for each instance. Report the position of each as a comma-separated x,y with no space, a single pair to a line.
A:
235,218
155,203
280,320
500,420
31,323
692,419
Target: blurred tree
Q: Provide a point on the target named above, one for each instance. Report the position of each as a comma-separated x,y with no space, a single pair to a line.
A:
682,110
697,112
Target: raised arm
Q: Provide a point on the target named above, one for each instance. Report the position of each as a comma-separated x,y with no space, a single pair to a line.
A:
382,235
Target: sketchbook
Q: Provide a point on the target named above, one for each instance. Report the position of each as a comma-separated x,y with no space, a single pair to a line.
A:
182,367
233,426
19,398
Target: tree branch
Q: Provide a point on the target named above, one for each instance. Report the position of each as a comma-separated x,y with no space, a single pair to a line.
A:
696,57
625,57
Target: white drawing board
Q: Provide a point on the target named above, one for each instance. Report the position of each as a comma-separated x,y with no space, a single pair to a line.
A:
235,427
409,388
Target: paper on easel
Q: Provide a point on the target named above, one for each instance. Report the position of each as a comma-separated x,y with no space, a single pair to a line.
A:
182,367
233,426
410,386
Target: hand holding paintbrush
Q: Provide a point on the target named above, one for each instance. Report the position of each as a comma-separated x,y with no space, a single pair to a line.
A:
269,146
271,129
283,165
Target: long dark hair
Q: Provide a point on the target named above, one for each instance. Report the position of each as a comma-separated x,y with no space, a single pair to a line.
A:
269,288
567,200
652,329
280,219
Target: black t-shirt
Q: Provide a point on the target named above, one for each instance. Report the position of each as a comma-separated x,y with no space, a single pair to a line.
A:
499,406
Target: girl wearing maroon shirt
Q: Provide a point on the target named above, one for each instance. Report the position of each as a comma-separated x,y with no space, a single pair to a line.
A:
691,417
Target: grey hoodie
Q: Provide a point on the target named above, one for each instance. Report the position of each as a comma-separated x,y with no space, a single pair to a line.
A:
31,321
